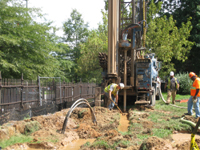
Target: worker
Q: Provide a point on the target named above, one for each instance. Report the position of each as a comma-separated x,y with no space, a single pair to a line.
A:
111,91
195,95
172,85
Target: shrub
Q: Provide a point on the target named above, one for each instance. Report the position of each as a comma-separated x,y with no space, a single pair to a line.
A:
31,127
185,83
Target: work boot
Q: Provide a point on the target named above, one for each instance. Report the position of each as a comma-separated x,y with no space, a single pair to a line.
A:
188,114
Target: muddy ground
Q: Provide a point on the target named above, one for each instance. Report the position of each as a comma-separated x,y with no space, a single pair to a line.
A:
80,126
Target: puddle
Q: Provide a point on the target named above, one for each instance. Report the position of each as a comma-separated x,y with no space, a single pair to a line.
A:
75,145
124,123
34,149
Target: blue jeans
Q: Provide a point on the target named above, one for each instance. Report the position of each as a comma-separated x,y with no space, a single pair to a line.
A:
196,105
111,105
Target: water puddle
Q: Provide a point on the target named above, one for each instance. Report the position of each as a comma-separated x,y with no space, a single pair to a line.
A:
75,145
31,148
124,123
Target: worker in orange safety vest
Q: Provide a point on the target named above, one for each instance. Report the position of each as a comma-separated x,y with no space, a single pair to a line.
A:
195,95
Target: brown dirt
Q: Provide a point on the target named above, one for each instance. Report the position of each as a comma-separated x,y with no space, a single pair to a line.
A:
80,125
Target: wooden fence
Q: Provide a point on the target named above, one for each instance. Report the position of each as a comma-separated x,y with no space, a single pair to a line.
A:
20,94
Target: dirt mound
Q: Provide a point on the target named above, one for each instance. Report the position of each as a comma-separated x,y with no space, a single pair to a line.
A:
183,146
85,131
190,118
80,125
153,143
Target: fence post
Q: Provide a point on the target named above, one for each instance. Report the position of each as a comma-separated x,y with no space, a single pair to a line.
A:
0,88
39,90
22,91
64,94
97,98
54,88
80,90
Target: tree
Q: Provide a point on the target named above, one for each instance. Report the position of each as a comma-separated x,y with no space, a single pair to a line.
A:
181,11
97,41
65,65
75,33
166,40
25,45
185,10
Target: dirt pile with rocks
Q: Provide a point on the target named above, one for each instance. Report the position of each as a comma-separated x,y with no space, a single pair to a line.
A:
46,130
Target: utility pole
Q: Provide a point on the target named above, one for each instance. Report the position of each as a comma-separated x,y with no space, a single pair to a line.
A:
26,3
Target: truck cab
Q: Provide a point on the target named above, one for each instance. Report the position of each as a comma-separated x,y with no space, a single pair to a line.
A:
147,79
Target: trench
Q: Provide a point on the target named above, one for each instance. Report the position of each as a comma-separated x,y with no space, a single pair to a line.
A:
123,123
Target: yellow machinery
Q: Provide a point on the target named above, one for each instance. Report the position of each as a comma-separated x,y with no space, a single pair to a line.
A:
193,145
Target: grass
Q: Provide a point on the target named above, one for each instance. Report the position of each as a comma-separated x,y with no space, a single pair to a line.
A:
80,114
123,142
178,96
100,144
32,127
15,139
162,133
115,118
166,119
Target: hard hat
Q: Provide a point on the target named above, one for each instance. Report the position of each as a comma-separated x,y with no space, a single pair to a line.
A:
171,73
121,85
191,74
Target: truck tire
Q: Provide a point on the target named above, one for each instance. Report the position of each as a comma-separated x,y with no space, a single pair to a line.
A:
153,98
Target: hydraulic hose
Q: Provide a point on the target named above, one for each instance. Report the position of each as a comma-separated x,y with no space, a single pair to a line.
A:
75,104
166,102
189,122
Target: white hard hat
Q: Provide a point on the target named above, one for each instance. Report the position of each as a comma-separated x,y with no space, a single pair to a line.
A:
171,73
121,85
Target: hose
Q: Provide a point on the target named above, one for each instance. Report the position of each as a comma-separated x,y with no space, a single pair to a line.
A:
189,122
75,104
166,102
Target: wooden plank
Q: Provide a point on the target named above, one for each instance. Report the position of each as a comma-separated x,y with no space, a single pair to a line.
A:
142,102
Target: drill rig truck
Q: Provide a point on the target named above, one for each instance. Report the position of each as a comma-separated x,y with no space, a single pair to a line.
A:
127,60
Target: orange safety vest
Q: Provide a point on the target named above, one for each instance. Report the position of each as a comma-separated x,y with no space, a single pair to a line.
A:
114,92
195,85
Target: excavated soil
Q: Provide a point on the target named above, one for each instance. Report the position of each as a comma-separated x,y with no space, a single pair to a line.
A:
80,126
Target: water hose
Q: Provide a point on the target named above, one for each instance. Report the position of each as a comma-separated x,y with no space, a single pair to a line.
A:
166,102
192,124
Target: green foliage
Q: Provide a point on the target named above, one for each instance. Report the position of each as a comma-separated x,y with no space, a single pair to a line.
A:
185,83
27,117
88,63
181,11
25,45
142,136
15,139
87,144
100,144
161,133
75,33
31,127
163,37
65,63
80,113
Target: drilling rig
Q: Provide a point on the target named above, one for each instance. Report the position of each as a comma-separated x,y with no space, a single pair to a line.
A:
127,60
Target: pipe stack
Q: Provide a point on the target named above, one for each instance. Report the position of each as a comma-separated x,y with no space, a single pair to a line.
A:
103,60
